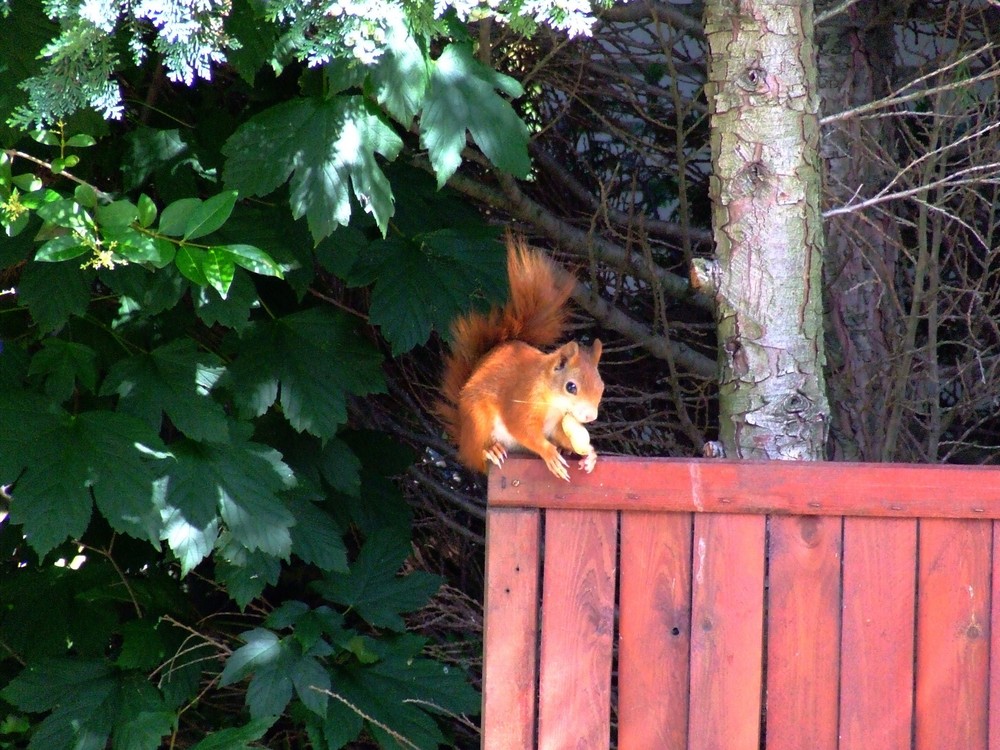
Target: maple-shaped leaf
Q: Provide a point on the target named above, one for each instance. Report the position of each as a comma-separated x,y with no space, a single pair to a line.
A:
190,543
114,456
316,538
245,573
53,292
237,481
63,364
397,692
424,283
399,78
327,147
89,702
237,738
462,96
175,378
372,588
313,359
277,666
24,418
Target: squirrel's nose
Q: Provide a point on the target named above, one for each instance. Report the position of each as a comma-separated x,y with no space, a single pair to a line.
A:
584,413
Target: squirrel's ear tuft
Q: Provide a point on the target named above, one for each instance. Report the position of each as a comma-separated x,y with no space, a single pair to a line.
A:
565,353
595,351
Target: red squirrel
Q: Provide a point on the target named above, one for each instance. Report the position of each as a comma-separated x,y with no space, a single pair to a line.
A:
500,392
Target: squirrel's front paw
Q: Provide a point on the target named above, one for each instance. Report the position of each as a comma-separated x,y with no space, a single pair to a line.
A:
589,461
557,465
495,454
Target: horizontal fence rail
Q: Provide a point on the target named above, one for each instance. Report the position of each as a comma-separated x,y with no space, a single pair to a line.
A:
717,605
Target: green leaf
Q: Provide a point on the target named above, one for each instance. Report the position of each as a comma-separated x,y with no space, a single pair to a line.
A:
81,140
62,364
45,137
85,195
210,215
23,34
149,152
315,358
64,247
270,228
397,692
462,96
219,268
144,730
29,183
174,218
189,262
316,538
237,481
112,455
340,467
139,247
175,379
53,292
245,573
142,646
147,211
237,738
373,589
88,700
326,146
61,164
312,682
233,311
189,542
399,79
142,293
251,258
67,213
257,40
116,214
423,287
277,666
49,683
24,418
261,647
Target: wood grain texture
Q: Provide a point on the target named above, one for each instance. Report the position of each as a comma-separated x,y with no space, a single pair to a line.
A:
578,614
803,633
654,630
953,631
994,718
876,671
772,487
511,628
726,632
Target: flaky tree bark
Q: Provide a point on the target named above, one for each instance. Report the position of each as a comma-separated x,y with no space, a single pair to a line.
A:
766,201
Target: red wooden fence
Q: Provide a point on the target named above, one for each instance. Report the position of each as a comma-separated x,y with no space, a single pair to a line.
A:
721,605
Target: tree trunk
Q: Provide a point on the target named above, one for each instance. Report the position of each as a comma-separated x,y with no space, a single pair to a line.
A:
767,278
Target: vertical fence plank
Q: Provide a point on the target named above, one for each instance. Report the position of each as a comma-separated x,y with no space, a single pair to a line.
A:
578,603
726,632
803,632
876,668
953,631
994,698
654,630
511,628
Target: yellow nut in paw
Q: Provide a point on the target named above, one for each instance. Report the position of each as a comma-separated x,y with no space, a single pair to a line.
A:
578,436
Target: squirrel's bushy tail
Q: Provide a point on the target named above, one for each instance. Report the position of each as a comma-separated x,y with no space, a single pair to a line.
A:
535,313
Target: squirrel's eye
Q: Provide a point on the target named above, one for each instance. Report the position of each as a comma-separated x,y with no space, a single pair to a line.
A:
571,387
